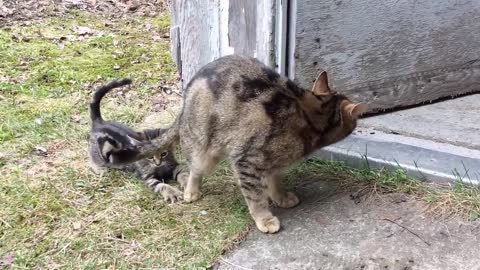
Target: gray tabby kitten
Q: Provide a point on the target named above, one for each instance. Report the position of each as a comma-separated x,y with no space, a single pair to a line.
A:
238,109
111,147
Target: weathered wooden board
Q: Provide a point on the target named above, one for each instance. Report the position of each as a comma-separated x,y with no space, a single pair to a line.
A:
242,26
203,30
196,23
391,53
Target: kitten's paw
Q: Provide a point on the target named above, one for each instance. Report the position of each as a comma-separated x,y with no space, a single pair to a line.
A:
191,196
288,201
100,171
170,194
268,224
182,179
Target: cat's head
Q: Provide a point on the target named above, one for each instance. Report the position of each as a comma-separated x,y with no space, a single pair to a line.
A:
330,113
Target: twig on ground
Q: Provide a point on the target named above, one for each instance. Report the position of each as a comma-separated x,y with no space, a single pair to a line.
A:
6,223
234,265
401,226
117,239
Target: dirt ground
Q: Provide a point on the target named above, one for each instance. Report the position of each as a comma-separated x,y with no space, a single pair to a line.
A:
17,11
330,230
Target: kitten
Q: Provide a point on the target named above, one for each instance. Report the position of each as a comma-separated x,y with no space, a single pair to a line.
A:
239,109
107,137
111,147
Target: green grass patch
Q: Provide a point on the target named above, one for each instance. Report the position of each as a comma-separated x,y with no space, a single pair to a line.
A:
49,70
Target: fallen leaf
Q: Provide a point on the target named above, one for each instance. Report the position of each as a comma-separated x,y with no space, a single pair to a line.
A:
20,38
7,260
38,121
4,11
40,150
83,30
77,225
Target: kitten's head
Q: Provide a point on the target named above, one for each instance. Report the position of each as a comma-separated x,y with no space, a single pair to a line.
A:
166,157
332,114
160,158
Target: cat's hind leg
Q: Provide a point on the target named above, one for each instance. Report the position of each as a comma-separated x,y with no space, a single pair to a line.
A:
277,193
255,190
200,166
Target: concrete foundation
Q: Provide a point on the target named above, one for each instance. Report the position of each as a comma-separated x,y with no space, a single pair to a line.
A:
436,142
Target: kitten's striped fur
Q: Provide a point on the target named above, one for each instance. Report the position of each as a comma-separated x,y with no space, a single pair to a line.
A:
111,147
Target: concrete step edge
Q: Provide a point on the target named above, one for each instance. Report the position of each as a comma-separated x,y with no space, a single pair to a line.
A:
436,164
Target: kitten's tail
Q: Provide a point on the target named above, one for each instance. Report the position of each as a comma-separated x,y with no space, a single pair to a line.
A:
95,114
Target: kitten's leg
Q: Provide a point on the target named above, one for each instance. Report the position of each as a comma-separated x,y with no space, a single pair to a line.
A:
169,193
182,179
277,193
98,170
180,174
254,189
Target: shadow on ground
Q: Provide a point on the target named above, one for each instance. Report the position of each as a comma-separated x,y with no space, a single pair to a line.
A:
332,230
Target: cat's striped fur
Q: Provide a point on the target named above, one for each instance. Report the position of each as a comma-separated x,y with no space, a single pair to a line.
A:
238,109
111,147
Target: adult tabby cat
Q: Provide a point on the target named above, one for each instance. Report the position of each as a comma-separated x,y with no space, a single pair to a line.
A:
111,147
239,109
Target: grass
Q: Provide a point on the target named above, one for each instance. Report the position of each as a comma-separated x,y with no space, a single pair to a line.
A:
456,199
55,213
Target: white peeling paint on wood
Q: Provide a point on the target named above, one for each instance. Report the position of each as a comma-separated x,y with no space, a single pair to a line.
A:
265,31
198,31
225,48
281,35
201,28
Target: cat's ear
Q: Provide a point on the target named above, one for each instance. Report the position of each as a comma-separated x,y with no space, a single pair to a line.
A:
320,87
356,110
133,141
141,136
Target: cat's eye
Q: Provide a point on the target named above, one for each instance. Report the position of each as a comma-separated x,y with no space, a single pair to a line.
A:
164,154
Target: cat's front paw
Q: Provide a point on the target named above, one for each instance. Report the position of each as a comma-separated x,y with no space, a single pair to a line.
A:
268,224
170,194
191,196
288,201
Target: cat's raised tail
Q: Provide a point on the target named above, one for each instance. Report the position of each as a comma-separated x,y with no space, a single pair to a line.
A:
95,114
